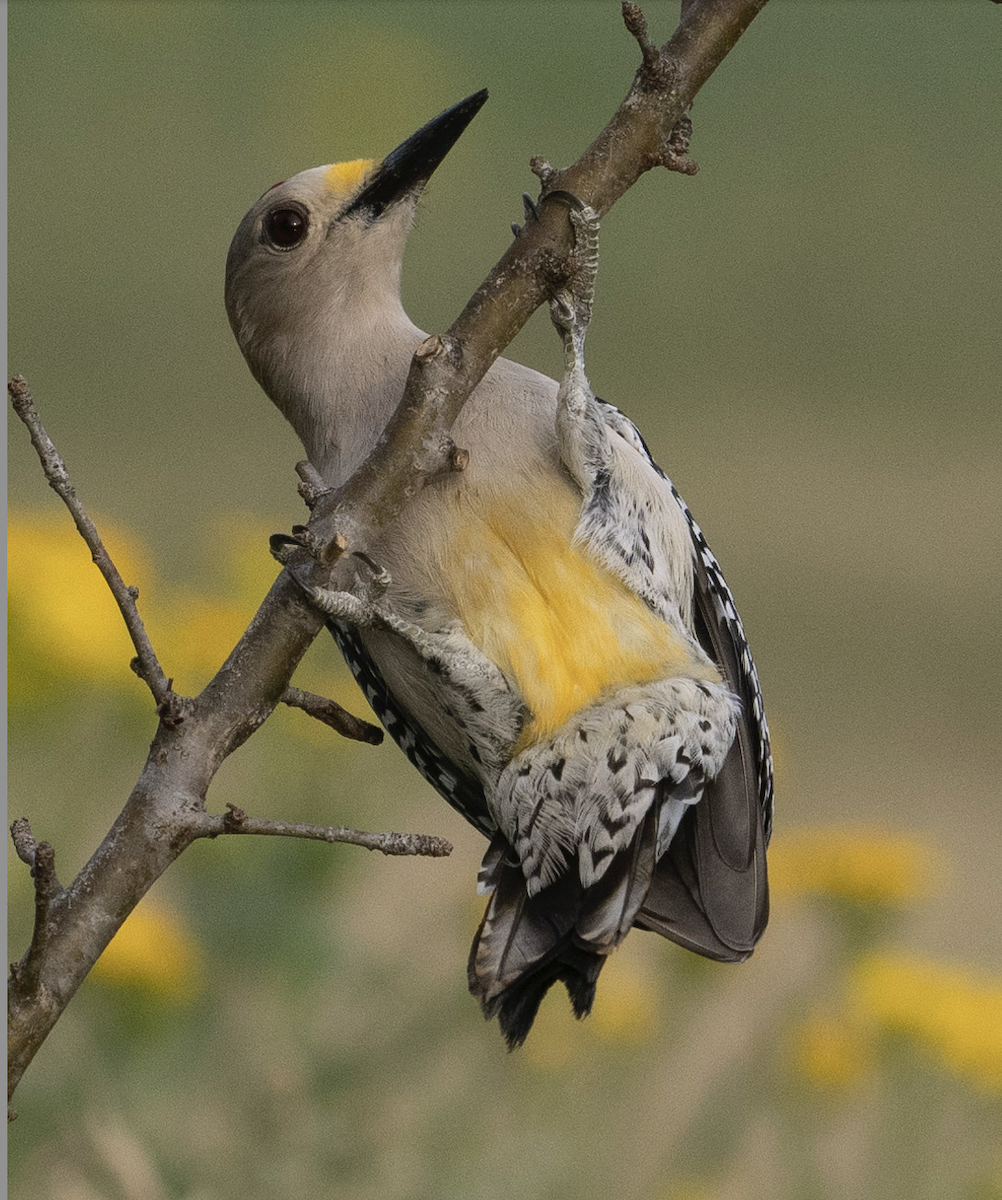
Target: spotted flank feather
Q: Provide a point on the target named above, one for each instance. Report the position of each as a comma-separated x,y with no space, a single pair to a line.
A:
583,794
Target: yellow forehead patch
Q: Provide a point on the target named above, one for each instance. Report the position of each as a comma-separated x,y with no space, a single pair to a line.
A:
342,179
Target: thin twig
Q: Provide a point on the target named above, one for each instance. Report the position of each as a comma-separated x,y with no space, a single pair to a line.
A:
47,886
38,855
544,171
312,484
636,24
331,713
235,820
24,841
41,858
150,670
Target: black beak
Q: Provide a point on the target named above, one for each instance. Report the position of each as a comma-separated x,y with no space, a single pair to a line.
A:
410,166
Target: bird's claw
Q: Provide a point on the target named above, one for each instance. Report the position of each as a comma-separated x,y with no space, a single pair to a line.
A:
283,546
359,607
379,578
531,214
571,305
343,606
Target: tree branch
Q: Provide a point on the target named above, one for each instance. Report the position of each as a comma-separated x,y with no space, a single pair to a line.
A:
235,820
332,714
41,858
166,810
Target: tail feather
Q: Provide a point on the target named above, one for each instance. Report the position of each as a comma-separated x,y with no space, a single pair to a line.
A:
562,934
615,900
516,1008
707,894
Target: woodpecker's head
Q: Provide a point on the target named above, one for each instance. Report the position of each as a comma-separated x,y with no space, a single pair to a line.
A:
325,247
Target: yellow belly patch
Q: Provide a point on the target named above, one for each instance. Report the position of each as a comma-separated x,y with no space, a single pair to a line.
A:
553,617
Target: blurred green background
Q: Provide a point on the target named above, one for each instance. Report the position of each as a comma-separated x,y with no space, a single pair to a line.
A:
808,334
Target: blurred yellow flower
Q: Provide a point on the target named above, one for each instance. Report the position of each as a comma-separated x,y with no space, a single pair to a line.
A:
61,611
194,632
65,625
951,1011
831,1051
241,544
153,952
864,866
625,1005
194,635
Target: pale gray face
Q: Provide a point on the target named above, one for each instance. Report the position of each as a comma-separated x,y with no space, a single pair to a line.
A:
312,283
283,260
328,237
313,290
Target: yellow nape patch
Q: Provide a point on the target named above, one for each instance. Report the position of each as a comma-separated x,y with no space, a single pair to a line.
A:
552,616
342,179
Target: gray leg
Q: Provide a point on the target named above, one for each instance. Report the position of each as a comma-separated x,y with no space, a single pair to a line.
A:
570,308
582,434
468,687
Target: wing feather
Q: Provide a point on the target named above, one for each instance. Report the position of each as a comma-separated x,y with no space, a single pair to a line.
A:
710,890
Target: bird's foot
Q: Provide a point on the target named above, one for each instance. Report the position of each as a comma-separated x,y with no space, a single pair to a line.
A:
361,606
571,306
379,579
343,606
530,211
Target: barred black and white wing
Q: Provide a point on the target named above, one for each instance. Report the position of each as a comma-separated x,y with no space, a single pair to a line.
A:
710,891
461,790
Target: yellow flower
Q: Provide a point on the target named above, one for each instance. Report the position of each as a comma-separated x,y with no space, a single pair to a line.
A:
62,614
831,1051
194,632
153,952
65,625
951,1011
240,542
864,866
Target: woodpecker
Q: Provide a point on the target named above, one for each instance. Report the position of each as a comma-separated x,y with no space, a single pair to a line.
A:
545,633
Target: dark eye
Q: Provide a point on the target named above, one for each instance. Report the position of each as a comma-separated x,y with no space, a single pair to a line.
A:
285,227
